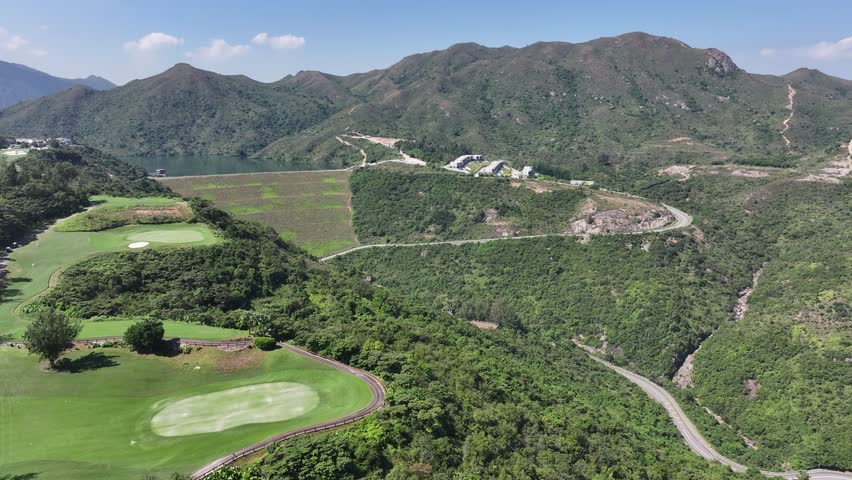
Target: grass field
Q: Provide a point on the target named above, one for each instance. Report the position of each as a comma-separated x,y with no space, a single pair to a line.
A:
311,209
116,328
100,421
33,266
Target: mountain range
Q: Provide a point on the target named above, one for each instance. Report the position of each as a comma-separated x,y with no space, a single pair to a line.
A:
19,83
634,95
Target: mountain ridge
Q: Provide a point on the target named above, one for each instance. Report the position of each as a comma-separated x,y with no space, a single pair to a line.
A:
20,83
559,102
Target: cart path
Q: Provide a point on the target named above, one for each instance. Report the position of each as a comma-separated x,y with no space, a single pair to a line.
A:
693,438
376,386
682,219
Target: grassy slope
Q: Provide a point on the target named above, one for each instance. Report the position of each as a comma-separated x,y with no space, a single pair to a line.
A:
114,328
32,266
113,210
87,419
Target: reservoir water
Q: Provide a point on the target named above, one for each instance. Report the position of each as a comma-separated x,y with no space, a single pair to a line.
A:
183,165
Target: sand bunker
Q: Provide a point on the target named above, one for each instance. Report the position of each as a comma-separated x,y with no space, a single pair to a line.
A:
217,411
138,245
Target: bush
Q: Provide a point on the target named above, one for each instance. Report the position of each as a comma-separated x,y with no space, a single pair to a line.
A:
145,336
264,343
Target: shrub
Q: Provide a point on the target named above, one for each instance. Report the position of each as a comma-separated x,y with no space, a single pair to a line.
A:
264,343
145,336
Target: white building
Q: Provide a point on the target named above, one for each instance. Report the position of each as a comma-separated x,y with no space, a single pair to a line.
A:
462,162
528,172
492,168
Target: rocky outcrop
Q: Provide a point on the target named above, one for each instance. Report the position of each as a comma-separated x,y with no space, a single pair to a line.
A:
720,63
620,221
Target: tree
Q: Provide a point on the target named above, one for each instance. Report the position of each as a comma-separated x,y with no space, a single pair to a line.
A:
145,336
49,335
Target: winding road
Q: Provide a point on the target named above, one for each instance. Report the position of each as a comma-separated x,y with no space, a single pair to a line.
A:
682,219
693,438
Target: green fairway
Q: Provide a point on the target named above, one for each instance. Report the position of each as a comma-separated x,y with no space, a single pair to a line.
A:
32,267
101,421
116,328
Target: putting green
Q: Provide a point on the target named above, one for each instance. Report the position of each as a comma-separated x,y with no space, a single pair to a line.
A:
33,267
214,412
96,420
167,236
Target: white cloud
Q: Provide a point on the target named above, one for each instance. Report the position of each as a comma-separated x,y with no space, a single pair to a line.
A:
827,50
10,42
841,49
38,52
283,41
219,50
152,42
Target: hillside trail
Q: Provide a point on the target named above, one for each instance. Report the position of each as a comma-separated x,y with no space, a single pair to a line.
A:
363,153
791,95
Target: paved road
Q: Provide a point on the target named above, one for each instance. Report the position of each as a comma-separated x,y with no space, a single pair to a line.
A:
682,219
693,437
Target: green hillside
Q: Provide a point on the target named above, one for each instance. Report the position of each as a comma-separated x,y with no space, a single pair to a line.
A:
549,104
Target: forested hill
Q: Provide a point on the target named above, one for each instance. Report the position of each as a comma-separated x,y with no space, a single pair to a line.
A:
19,83
48,184
461,403
557,103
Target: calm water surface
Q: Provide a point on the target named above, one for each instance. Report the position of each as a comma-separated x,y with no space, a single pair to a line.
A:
181,166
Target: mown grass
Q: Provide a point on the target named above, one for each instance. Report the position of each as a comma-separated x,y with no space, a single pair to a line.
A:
33,267
115,328
311,209
93,420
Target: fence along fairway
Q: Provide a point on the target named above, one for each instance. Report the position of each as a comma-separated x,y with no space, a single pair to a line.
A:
70,440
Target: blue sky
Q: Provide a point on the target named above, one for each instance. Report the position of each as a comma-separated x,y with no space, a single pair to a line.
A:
126,40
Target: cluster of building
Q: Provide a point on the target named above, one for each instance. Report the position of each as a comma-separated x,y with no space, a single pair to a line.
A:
494,168
40,142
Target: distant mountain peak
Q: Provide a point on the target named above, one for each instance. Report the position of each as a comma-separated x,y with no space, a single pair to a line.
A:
20,82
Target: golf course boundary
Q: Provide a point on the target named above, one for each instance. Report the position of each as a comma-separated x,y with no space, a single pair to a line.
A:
376,386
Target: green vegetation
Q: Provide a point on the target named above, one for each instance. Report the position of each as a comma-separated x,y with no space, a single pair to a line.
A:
48,184
35,266
461,402
110,327
130,390
127,211
264,343
411,206
145,336
310,209
50,334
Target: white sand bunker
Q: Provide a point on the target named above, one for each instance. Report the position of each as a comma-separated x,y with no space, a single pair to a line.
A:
138,245
214,412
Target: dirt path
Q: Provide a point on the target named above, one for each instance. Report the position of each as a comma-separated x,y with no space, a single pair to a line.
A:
791,95
363,153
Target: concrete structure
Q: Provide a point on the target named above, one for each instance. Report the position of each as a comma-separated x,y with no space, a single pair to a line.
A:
462,162
582,183
528,172
492,168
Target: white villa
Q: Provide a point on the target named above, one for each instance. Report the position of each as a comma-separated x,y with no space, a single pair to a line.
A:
492,168
462,162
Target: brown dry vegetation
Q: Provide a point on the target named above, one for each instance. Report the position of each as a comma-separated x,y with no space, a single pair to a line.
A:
311,209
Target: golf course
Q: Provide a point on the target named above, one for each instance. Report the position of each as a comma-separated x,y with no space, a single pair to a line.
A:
112,413
36,266
119,415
